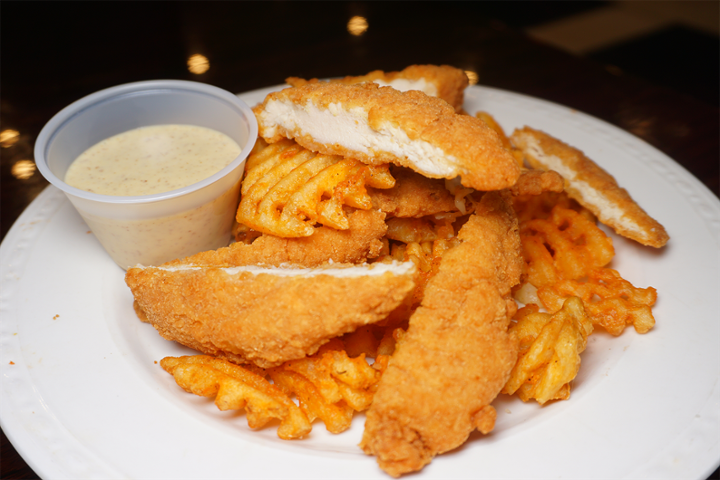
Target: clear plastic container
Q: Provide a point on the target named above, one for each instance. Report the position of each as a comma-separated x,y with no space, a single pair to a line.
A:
151,229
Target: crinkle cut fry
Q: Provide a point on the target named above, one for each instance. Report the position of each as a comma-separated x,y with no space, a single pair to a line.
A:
234,388
456,355
591,186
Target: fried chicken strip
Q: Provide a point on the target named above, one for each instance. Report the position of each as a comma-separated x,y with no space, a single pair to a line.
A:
413,196
535,182
378,125
266,316
591,186
355,245
456,355
442,81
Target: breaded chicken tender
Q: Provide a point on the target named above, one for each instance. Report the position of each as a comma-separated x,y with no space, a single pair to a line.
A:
591,186
442,81
535,182
456,355
266,316
413,195
355,245
379,125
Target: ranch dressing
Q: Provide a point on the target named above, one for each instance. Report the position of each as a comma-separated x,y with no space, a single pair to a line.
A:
153,159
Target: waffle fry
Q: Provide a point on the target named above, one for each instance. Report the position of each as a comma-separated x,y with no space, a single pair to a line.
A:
328,385
611,301
336,416
235,388
550,347
337,378
566,245
288,189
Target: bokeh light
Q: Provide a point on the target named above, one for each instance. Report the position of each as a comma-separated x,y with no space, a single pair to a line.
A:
198,64
23,169
472,77
357,25
9,137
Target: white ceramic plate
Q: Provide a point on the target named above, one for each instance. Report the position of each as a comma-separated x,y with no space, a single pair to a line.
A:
83,396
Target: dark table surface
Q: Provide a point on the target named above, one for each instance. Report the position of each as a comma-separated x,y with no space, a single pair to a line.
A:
55,53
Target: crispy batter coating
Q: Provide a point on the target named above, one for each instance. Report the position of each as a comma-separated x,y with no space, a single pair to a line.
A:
413,195
535,182
442,81
591,186
265,316
492,123
355,245
378,125
456,355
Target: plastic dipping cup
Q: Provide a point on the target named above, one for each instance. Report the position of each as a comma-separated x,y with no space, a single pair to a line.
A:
151,229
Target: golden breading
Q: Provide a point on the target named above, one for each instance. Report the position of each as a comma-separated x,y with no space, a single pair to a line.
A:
492,123
287,189
378,125
456,355
355,245
535,182
532,206
413,195
266,315
442,81
591,186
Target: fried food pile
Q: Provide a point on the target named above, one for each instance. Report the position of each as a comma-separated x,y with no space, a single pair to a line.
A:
384,242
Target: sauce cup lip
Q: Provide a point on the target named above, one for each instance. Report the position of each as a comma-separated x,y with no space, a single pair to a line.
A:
50,129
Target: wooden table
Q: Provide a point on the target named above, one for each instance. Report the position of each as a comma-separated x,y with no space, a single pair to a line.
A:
53,54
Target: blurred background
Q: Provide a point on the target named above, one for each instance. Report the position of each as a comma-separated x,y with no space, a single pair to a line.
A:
649,67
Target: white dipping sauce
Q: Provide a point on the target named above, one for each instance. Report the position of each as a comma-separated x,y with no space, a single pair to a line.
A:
158,159
152,159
